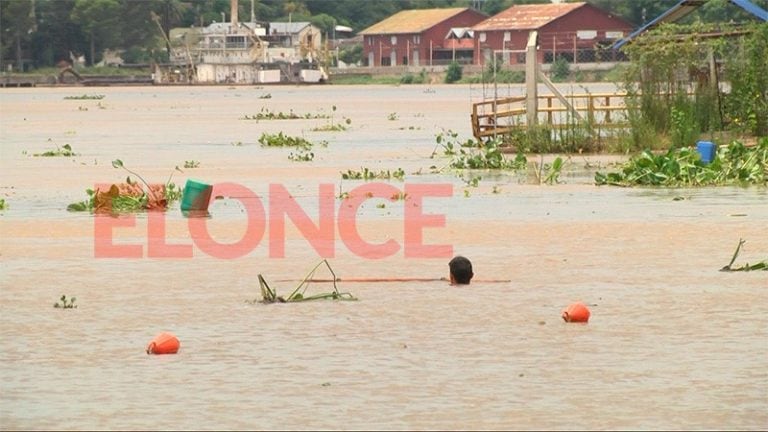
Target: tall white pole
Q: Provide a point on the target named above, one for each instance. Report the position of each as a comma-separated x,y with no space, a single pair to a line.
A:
531,69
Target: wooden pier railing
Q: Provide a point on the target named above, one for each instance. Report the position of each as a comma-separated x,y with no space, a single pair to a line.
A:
504,115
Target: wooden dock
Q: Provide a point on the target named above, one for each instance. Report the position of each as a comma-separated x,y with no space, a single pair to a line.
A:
505,115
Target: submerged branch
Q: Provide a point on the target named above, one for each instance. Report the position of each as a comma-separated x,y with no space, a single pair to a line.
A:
762,265
268,295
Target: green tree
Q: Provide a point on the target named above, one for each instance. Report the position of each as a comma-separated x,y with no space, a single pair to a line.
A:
352,54
99,19
18,24
324,22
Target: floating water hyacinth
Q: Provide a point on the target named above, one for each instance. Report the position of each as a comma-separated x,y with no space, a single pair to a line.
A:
733,164
129,196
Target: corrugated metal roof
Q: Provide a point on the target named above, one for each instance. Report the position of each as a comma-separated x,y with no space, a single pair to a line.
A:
286,28
412,21
527,17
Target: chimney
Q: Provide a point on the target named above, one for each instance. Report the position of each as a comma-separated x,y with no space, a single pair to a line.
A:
233,13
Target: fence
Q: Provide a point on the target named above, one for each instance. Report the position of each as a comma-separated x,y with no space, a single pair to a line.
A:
504,115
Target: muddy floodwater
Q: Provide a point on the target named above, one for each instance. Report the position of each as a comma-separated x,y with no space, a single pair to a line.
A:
673,343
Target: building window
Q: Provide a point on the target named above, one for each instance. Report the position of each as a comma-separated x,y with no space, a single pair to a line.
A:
507,36
416,39
393,39
482,37
370,40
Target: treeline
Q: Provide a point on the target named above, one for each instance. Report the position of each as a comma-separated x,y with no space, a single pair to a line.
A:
40,33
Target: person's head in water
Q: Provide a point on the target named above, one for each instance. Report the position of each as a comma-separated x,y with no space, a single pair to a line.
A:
461,271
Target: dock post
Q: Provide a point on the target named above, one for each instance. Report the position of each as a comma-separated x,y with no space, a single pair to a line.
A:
531,90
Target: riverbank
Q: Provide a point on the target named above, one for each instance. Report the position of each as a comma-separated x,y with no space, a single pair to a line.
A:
580,73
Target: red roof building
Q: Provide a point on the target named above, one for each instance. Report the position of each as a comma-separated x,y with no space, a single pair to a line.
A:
420,37
574,31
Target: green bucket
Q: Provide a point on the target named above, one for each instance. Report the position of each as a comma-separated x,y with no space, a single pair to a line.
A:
196,196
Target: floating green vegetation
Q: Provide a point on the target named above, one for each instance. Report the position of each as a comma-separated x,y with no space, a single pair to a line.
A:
3,205
130,196
266,114
85,97
63,151
471,181
268,295
332,126
410,128
63,303
367,174
553,171
301,155
303,146
733,164
191,164
266,96
393,116
477,154
281,140
762,265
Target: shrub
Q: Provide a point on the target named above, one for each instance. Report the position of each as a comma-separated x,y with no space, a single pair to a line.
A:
453,73
560,69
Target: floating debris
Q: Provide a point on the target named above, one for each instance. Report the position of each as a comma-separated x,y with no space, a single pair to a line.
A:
762,265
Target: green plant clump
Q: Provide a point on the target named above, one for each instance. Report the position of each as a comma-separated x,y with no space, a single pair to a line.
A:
266,114
453,73
66,304
63,151
85,97
281,140
733,164
410,78
367,174
477,154
130,196
301,155
560,69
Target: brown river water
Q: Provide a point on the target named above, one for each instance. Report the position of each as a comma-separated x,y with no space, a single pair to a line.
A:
672,342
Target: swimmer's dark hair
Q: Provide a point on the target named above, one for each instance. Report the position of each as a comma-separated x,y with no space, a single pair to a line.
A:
461,270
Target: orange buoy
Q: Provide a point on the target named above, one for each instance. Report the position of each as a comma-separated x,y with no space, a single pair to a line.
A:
576,312
164,343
